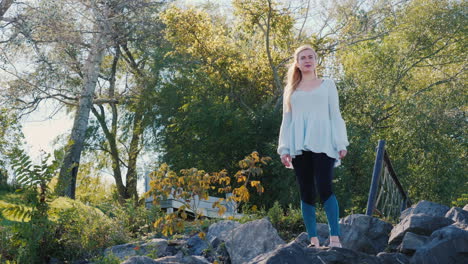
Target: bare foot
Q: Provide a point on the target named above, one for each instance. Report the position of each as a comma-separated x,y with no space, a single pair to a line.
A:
335,242
314,243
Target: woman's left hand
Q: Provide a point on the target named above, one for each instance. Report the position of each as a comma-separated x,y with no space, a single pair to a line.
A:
342,153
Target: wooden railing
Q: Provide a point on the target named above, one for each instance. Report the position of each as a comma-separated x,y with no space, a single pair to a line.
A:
387,197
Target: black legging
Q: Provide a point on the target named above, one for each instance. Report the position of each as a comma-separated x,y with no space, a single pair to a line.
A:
310,166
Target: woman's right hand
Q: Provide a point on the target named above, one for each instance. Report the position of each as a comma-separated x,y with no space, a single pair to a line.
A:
286,160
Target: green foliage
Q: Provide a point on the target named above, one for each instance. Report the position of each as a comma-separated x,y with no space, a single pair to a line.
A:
461,201
407,87
289,222
137,219
275,213
107,259
8,247
34,237
83,231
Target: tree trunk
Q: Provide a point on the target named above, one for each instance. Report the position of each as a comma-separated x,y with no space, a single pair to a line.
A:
67,178
133,155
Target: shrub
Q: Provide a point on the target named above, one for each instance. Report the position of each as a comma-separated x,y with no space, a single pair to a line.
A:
83,231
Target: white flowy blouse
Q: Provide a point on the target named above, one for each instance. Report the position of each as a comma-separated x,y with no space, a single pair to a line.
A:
314,123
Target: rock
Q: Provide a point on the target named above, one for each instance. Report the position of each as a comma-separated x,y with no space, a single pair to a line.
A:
140,260
221,229
197,245
425,207
458,215
156,246
180,258
322,235
391,258
295,253
420,224
465,207
122,251
252,239
448,245
411,242
287,254
364,233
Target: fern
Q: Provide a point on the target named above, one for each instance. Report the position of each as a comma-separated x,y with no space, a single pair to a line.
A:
33,180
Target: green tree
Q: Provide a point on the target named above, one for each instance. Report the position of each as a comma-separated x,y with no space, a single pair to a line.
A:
407,87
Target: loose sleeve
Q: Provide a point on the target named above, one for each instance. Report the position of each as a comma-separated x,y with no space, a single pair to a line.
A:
338,126
284,135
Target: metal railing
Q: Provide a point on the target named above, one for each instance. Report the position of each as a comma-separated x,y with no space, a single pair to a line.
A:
387,198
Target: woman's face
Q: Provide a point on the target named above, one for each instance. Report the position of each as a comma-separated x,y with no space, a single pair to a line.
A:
306,61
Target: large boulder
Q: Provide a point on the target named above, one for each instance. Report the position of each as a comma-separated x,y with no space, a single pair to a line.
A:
364,233
420,224
221,229
459,216
412,242
252,239
448,245
295,253
197,245
427,208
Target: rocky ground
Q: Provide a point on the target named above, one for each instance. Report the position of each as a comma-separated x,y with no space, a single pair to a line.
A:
427,233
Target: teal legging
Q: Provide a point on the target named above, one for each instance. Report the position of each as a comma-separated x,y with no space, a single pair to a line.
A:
315,171
332,211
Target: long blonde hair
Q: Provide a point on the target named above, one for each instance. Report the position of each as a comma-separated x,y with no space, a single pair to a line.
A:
294,76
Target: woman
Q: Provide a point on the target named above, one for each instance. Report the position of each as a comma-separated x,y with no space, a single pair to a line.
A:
312,139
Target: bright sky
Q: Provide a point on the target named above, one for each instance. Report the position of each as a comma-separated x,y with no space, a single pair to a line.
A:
41,128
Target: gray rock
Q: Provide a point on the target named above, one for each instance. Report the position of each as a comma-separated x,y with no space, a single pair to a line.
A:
364,233
295,253
155,246
448,245
420,224
425,207
122,251
221,229
411,242
252,239
458,215
392,258
197,245
292,253
322,235
179,258
140,260
465,207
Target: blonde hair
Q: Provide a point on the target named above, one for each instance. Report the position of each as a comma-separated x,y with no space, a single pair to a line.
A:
294,76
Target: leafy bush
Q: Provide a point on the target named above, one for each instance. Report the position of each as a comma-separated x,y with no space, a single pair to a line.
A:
83,231
136,219
8,248
33,235
461,201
